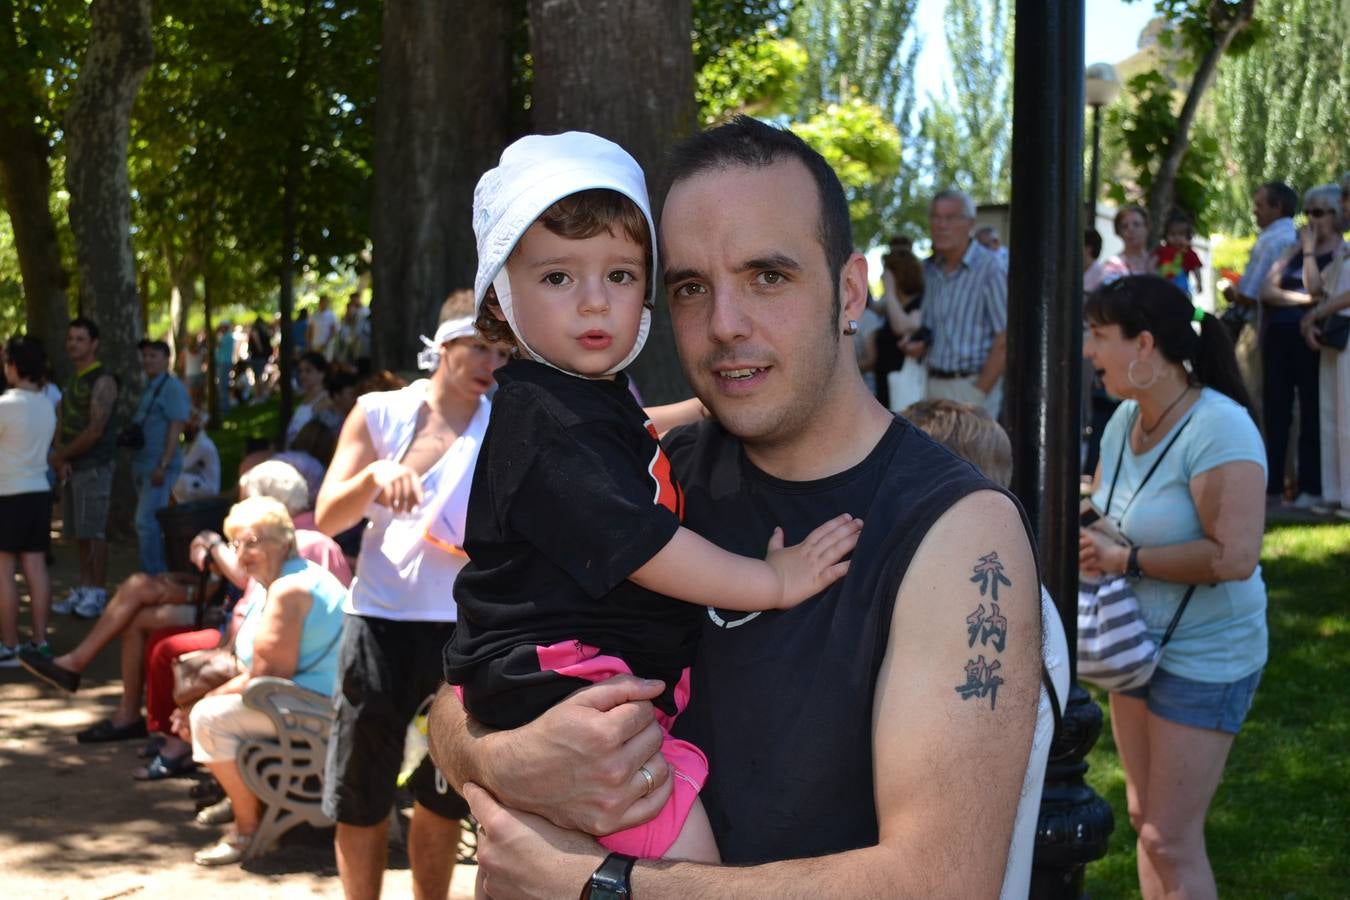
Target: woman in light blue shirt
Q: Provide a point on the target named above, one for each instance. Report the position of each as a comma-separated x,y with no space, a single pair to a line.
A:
1197,520
292,633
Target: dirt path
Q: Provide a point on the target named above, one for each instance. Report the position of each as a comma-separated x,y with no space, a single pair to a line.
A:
74,824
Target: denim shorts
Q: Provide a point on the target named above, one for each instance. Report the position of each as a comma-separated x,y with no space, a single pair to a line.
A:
1218,706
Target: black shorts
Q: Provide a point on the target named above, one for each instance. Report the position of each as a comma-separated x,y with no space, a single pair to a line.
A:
26,522
386,670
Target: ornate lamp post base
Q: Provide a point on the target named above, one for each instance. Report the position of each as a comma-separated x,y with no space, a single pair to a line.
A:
1075,823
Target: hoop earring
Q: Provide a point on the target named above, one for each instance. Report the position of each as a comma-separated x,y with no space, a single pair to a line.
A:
1134,383
851,328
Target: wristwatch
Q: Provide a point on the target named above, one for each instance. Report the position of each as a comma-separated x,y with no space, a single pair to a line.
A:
610,880
1132,570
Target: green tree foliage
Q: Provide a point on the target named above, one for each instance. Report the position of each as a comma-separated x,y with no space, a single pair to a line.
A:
841,74
968,134
1282,110
863,148
1204,31
718,24
241,91
758,77
1142,125
857,45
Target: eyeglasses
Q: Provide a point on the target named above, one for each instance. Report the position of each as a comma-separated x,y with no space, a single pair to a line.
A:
1318,213
240,545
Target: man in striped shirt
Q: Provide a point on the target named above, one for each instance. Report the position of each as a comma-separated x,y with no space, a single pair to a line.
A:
966,306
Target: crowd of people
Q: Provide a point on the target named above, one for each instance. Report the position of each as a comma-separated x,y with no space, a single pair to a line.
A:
590,584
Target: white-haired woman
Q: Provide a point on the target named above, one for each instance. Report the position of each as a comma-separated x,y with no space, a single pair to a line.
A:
1331,295
1290,365
293,633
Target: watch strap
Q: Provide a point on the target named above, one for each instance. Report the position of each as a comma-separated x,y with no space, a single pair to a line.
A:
610,880
1132,570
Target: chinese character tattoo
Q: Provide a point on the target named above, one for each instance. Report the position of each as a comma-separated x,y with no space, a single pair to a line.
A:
989,575
981,680
986,627
990,628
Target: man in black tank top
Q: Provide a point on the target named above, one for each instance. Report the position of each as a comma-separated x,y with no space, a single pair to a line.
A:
873,741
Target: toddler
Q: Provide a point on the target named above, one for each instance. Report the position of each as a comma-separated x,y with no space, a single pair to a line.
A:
1174,259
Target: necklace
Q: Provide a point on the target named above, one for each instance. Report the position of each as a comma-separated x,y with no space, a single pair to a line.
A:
1146,432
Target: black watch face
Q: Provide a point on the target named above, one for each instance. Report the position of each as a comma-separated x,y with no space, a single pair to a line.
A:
606,890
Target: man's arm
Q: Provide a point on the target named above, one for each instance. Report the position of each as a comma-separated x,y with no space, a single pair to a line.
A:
577,764
953,718
100,411
994,363
170,446
1274,295
996,311
356,476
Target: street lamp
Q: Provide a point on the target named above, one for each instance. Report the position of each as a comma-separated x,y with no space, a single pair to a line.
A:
1102,85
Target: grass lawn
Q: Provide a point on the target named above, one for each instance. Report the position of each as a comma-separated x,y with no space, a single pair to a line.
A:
1279,826
240,424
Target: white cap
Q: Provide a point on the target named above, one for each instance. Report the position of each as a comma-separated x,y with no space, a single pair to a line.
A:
451,329
534,173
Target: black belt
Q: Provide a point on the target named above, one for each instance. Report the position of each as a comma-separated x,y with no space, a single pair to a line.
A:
943,373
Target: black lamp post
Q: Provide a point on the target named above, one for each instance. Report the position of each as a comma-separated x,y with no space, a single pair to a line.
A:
1102,85
1043,384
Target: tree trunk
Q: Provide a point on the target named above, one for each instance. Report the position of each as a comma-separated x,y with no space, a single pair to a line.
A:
442,119
624,71
25,184
97,128
1160,194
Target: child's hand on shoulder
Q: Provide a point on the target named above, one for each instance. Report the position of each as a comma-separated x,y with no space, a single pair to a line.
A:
806,569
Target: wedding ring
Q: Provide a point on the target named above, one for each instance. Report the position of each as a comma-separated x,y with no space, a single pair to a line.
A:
647,777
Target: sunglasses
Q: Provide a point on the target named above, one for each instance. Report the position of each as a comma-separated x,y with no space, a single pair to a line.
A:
1318,213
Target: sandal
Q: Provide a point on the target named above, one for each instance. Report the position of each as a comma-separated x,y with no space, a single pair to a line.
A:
105,731
227,852
166,767
221,813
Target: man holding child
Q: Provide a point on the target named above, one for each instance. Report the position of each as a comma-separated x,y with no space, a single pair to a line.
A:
860,743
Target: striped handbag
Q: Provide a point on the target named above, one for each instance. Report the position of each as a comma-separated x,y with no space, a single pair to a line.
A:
1115,652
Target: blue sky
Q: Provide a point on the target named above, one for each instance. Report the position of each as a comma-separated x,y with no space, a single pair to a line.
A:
1111,35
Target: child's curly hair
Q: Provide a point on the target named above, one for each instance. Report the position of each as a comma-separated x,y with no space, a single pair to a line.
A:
577,216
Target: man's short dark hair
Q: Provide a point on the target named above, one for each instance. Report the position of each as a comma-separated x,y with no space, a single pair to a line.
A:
87,324
1282,195
1092,239
748,142
25,353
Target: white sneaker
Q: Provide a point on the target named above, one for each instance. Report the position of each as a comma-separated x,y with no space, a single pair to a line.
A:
1305,501
9,657
66,605
90,606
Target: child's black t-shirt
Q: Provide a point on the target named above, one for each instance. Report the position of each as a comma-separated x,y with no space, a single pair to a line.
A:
571,495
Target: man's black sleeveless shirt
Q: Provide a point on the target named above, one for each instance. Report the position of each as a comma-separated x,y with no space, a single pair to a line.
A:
782,701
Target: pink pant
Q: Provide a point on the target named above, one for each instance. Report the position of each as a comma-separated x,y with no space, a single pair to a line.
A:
688,765
163,647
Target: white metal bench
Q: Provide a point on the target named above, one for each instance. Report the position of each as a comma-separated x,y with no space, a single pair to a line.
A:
286,772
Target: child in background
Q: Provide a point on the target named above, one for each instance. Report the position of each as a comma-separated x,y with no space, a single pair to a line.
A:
1174,259
579,569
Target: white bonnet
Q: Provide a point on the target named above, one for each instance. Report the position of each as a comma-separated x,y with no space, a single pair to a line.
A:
534,173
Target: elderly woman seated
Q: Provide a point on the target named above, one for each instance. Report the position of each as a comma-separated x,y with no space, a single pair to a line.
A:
150,603
292,633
